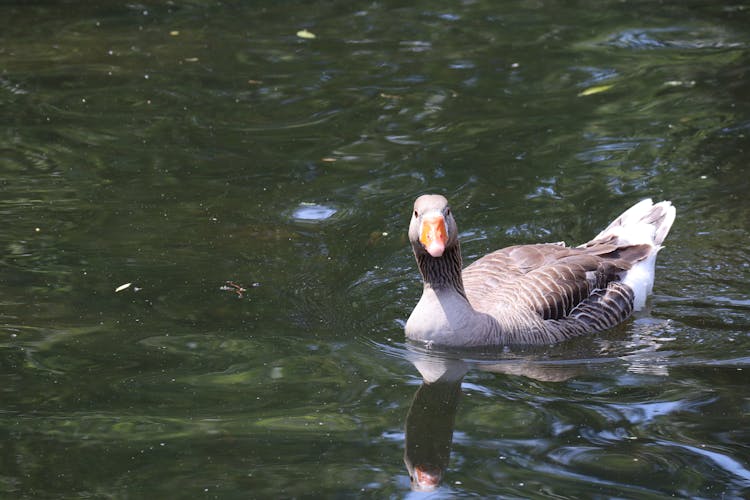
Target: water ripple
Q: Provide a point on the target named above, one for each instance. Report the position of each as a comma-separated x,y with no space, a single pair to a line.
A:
672,38
721,460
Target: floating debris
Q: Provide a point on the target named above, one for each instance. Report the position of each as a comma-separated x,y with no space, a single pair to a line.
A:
680,83
595,90
307,35
122,287
231,286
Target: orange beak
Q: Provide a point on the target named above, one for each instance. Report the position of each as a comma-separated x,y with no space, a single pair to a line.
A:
433,235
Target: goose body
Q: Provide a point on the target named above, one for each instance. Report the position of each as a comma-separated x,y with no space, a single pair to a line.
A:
531,294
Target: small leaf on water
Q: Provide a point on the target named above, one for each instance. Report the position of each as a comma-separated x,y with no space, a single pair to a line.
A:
595,90
122,287
307,35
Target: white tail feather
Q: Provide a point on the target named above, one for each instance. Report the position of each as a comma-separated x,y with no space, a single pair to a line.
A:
645,223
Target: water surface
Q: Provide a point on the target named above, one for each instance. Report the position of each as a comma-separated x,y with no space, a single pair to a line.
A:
254,188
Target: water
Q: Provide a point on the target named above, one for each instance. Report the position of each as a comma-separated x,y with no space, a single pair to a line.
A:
254,189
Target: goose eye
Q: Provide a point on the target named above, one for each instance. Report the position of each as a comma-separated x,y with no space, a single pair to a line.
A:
416,214
447,211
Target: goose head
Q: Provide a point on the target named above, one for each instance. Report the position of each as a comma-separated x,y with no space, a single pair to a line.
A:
432,229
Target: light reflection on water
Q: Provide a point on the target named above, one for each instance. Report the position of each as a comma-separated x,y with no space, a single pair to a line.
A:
311,212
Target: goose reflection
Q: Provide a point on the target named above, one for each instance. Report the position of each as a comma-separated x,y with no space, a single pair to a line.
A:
431,418
430,421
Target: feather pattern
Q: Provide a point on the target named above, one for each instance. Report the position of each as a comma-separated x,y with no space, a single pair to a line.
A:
533,294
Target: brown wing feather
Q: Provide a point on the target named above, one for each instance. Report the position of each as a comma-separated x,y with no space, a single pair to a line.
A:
551,280
603,309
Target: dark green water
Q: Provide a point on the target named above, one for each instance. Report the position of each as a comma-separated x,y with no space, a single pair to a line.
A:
178,147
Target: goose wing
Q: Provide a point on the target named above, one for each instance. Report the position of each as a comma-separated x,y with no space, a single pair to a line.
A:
549,279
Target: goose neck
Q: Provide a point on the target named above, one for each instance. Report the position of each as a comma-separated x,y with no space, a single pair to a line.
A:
442,273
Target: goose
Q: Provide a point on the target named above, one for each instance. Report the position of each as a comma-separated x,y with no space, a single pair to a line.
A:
531,294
